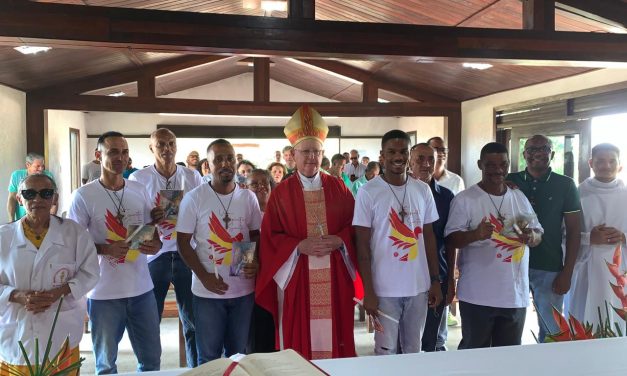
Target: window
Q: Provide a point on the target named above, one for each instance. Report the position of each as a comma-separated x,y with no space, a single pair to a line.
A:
75,158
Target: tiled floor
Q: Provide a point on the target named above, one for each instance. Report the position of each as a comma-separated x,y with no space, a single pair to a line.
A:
169,339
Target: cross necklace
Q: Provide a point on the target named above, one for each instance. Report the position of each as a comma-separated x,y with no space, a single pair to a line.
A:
402,213
118,205
226,217
500,217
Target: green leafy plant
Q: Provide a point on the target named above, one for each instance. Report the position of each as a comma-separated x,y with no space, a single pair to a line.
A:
54,366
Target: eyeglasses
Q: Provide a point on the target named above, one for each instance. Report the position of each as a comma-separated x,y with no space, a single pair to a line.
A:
538,149
310,153
259,185
354,158
30,194
441,150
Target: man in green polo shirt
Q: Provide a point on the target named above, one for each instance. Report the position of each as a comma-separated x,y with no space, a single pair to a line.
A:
34,165
555,199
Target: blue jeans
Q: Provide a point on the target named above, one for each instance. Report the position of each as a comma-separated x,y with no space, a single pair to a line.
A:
541,285
411,313
139,316
170,268
222,324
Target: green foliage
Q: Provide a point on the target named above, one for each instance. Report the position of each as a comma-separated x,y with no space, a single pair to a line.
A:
48,366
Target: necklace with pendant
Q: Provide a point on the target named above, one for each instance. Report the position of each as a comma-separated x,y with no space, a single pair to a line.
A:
402,213
120,210
501,217
226,217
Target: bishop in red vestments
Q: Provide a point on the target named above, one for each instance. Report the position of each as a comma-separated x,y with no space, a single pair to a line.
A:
307,256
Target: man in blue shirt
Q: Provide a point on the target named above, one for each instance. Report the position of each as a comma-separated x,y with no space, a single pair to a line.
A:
422,163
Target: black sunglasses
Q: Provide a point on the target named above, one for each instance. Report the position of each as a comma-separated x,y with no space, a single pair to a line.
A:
45,193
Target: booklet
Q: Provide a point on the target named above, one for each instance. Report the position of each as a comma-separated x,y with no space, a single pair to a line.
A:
243,253
136,235
170,201
282,363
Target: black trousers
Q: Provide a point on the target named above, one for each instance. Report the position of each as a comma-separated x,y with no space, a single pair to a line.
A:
432,325
484,326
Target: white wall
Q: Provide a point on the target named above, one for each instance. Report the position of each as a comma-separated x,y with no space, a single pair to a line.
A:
260,151
12,139
477,114
59,162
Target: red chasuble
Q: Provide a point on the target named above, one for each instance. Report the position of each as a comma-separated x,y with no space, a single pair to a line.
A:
284,226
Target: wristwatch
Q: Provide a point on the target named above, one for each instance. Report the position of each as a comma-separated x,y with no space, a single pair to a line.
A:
436,278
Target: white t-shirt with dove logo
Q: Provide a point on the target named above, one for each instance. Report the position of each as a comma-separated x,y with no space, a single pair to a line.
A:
202,213
399,262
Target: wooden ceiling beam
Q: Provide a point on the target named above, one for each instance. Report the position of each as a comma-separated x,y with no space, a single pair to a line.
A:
104,80
369,93
146,87
538,15
186,32
301,9
217,107
261,79
365,76
604,11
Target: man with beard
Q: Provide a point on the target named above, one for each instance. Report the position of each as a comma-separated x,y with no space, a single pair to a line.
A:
493,227
396,250
221,217
422,164
307,256
167,181
123,297
555,200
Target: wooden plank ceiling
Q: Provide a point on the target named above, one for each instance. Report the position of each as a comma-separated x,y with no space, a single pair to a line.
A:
449,80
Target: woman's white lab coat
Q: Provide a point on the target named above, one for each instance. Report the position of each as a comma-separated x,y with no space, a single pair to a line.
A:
67,254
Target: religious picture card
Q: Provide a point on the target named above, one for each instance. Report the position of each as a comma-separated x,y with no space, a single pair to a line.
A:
137,234
170,202
243,253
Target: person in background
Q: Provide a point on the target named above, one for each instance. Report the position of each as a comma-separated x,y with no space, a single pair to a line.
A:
337,166
365,160
262,326
347,157
277,156
239,157
278,171
35,164
192,159
43,258
325,165
244,168
353,169
90,171
422,164
455,184
290,164
129,169
372,170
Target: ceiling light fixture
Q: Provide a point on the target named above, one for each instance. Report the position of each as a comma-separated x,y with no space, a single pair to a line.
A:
478,66
381,100
272,5
31,50
117,94
235,116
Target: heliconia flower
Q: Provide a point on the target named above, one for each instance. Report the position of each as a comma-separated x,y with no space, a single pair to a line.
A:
561,322
617,255
618,291
622,312
580,330
613,268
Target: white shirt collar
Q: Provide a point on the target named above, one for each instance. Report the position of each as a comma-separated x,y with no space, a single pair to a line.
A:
310,184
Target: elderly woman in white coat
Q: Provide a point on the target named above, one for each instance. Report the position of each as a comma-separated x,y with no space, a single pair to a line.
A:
42,258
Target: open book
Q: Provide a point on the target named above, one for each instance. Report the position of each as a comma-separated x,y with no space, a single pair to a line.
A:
282,363
136,235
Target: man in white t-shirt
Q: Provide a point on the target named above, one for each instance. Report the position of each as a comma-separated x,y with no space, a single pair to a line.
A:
443,176
396,250
493,227
123,297
166,183
220,217
90,171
